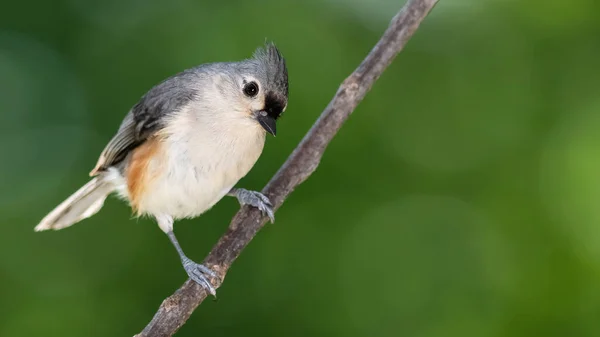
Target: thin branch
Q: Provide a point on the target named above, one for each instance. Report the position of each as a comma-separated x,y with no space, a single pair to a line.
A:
177,308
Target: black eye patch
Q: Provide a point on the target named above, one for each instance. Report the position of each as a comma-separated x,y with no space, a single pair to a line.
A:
273,105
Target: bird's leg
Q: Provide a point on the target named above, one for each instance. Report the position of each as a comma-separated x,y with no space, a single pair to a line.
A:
197,272
255,199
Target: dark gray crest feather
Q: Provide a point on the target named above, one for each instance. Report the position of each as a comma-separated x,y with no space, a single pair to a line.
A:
274,66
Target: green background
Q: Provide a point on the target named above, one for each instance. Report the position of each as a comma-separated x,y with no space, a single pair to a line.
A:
462,198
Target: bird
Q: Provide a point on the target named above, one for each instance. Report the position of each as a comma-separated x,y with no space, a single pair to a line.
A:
185,145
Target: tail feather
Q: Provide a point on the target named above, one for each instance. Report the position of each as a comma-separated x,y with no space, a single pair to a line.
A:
87,201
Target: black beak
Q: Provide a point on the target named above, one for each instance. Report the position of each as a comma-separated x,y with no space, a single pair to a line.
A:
267,122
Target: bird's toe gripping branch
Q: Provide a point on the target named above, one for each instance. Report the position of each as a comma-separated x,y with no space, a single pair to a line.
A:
255,199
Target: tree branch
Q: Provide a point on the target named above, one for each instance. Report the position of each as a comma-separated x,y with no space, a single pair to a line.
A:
177,308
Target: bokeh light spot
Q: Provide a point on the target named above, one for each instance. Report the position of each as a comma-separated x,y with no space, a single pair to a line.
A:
440,122
44,121
570,179
419,261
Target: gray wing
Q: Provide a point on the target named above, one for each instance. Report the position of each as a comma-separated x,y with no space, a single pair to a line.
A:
147,117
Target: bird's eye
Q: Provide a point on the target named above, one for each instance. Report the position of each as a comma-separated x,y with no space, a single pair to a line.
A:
251,89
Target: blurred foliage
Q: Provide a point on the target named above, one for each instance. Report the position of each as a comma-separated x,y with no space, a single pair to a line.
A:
461,198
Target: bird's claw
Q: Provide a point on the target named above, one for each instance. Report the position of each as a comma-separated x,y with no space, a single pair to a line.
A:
258,200
200,274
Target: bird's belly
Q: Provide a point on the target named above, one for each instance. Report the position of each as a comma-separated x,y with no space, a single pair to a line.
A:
190,183
186,192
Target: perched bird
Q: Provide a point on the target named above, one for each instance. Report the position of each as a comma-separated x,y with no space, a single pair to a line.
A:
185,145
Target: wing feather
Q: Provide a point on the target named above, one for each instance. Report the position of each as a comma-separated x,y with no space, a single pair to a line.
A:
119,146
145,118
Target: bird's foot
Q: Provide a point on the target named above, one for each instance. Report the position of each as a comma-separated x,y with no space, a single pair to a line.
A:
256,199
200,274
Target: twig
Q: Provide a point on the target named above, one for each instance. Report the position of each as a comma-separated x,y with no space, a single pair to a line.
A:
177,308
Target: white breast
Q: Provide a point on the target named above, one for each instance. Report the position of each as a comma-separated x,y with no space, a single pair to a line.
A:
204,160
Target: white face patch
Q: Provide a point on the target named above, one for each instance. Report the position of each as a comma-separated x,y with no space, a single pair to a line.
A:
254,103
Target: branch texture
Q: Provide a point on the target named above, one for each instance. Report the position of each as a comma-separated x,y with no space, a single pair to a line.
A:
177,308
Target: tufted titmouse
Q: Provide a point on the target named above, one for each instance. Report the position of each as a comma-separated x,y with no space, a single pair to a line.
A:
185,145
